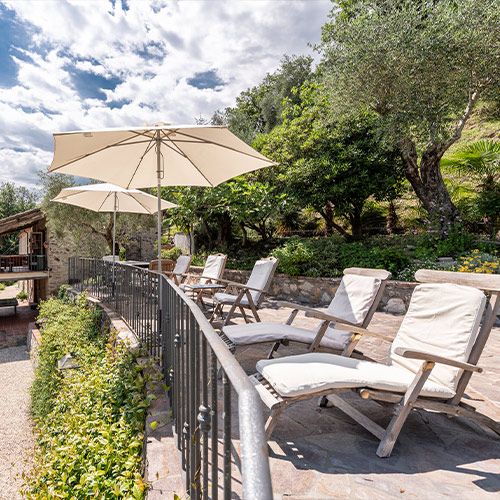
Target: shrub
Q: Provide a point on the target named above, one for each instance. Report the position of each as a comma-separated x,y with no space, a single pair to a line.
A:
309,257
477,262
173,253
90,424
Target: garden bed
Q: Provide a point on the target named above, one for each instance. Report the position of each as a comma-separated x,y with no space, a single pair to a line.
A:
89,423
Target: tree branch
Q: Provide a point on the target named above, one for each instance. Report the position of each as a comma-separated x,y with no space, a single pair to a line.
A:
461,124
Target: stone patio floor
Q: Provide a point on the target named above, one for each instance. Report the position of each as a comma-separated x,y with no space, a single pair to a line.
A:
319,453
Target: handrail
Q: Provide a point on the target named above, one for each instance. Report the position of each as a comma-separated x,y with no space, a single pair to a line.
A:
193,356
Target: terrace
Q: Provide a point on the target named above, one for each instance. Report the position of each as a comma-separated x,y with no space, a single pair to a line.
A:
314,452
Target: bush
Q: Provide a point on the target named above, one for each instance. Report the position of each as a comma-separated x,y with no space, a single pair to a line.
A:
477,262
308,257
173,253
90,424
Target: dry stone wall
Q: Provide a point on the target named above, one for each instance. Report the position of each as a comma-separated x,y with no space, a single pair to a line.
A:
320,291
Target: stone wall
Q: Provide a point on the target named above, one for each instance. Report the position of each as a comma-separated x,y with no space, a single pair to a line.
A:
58,254
320,291
140,245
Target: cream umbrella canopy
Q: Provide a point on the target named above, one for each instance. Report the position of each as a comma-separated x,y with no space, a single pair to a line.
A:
111,198
162,155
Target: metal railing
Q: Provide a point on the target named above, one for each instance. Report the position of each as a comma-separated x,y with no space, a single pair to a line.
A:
201,373
22,263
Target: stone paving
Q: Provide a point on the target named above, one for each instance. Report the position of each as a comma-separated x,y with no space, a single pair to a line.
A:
319,453
16,439
14,326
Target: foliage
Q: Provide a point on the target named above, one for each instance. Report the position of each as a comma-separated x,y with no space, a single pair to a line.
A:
478,262
422,66
481,161
3,286
90,423
244,202
22,295
87,232
14,199
259,109
173,253
333,166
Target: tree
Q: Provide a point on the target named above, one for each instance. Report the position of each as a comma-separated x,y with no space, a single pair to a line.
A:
481,160
244,202
422,67
87,231
333,166
259,109
13,200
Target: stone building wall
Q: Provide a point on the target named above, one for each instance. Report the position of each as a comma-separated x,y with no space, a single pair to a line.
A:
58,253
320,291
141,245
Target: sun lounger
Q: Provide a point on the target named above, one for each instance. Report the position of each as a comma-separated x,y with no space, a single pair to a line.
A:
355,302
204,284
249,296
431,361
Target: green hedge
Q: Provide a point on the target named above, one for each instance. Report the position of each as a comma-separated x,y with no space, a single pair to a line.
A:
90,424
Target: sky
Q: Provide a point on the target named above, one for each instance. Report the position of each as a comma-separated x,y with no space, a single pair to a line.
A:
93,64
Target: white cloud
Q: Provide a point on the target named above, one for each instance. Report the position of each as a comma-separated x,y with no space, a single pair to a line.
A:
240,40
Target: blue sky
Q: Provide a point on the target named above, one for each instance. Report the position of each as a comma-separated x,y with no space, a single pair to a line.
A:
70,65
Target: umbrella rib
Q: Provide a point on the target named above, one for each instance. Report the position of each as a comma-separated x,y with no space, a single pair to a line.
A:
189,160
206,141
119,143
141,204
104,201
70,194
148,149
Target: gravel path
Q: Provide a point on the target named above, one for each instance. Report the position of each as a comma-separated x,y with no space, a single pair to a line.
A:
16,441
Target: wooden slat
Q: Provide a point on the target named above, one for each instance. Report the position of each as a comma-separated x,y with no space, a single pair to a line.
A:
489,282
357,416
265,394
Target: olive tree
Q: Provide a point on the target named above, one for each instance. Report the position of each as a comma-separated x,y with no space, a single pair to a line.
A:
422,66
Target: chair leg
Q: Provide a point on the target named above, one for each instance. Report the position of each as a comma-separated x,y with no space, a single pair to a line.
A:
230,313
244,315
274,348
217,308
403,410
273,420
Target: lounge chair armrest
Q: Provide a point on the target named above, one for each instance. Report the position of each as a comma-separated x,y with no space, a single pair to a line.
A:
426,356
245,287
341,324
291,305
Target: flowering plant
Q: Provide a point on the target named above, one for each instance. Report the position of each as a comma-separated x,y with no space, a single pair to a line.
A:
478,262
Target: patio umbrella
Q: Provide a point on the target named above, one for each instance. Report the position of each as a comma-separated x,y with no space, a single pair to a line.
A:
160,155
111,198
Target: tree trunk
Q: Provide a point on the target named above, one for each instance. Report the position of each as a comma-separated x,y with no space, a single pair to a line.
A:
391,219
244,233
327,212
224,230
356,225
427,182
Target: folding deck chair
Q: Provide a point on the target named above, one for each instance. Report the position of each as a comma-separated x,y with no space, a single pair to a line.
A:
204,284
354,303
431,361
181,268
249,296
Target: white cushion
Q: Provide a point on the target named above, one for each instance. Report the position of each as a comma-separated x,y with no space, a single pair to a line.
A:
316,372
227,298
268,331
213,268
182,264
442,319
259,277
354,297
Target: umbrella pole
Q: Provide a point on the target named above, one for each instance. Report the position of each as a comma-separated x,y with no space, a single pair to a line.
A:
114,241
159,220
